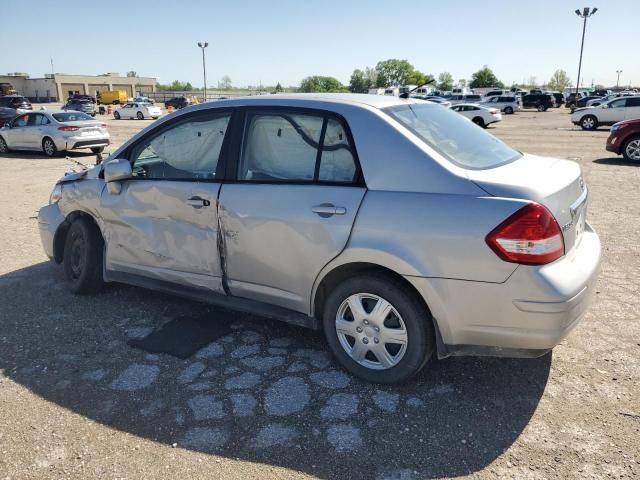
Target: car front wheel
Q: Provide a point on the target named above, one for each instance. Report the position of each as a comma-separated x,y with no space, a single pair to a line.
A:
508,111
631,150
82,261
116,115
140,116
589,122
4,148
378,330
541,108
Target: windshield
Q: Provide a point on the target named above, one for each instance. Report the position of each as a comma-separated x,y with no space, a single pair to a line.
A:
453,136
71,116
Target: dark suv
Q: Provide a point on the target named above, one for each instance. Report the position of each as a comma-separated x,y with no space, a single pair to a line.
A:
539,101
15,102
177,103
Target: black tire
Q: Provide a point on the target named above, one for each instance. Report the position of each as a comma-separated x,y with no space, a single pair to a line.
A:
541,107
479,121
49,147
82,262
417,322
627,154
97,150
4,148
508,111
589,122
116,115
139,116
572,108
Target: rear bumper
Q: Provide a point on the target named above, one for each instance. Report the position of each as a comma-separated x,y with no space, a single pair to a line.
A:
49,219
527,315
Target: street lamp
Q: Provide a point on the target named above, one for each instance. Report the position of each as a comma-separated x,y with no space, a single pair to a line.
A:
204,68
586,13
618,81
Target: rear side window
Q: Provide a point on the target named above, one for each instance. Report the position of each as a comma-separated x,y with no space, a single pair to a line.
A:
454,137
295,147
633,102
188,150
618,103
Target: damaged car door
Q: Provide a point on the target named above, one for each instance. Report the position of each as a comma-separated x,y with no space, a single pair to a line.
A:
292,204
163,223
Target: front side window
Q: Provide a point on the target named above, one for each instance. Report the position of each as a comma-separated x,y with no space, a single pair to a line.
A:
454,137
618,103
188,150
21,121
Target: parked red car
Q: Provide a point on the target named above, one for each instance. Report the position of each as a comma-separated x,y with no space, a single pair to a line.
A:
624,139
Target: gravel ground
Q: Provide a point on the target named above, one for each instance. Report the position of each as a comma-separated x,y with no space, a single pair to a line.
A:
267,401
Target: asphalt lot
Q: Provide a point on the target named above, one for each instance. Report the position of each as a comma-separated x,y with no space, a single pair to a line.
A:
267,401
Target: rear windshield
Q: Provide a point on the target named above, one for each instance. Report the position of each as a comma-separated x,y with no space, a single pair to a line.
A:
71,116
453,136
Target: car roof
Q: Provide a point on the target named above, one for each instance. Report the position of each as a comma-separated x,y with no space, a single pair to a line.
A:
356,99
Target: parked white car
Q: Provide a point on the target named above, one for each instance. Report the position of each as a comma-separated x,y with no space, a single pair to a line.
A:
54,131
478,114
505,103
613,111
137,110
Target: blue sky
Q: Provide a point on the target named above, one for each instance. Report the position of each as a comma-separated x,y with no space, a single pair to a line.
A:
271,41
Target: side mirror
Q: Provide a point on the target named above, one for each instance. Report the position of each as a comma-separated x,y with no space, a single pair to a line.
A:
116,171
605,105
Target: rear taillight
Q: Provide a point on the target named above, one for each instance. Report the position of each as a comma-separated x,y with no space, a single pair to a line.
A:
531,236
68,128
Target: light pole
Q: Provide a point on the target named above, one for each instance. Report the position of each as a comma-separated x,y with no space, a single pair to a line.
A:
204,68
618,81
584,14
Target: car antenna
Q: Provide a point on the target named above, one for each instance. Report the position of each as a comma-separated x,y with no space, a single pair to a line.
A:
406,94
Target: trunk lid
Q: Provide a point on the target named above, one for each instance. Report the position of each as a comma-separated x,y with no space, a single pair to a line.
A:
557,184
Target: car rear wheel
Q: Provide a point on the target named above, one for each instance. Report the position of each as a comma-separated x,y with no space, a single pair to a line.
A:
4,148
140,116
116,115
479,121
541,108
589,122
377,329
631,150
49,147
508,111
82,261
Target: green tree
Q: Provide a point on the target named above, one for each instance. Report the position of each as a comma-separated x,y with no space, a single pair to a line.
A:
445,81
132,73
393,72
418,78
462,82
319,83
372,76
559,81
225,83
359,83
278,88
485,78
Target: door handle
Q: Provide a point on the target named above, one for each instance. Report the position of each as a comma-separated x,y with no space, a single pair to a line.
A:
326,210
198,202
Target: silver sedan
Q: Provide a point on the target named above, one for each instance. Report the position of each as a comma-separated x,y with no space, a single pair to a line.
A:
396,226
53,131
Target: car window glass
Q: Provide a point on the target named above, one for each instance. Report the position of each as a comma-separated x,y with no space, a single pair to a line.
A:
336,161
280,147
189,150
618,103
33,120
21,121
454,137
633,102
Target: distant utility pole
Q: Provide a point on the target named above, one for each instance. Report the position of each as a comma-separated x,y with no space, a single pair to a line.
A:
52,72
204,68
586,13
618,81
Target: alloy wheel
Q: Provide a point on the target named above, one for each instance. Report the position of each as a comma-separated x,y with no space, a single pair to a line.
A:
588,123
49,147
371,331
633,149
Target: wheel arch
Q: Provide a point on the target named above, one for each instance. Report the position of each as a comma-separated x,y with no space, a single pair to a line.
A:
60,236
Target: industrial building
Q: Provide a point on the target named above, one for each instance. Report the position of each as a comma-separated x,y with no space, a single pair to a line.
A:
57,87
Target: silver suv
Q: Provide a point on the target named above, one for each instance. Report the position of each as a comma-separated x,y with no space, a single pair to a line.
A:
396,226
507,103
